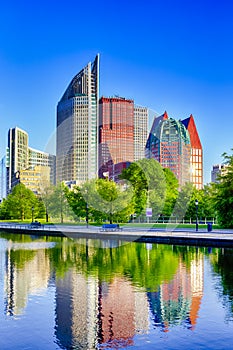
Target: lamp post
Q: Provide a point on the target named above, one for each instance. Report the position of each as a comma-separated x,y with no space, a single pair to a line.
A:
196,203
87,214
32,214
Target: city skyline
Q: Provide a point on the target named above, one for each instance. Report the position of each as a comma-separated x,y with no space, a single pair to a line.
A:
166,56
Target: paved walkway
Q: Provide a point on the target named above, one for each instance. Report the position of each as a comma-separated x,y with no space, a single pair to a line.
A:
220,238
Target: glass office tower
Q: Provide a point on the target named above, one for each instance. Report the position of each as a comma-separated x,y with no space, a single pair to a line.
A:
77,125
169,143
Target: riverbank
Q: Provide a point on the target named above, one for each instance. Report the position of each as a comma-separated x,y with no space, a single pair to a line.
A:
215,238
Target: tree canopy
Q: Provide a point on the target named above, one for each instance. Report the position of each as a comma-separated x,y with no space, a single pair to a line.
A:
149,185
21,204
223,194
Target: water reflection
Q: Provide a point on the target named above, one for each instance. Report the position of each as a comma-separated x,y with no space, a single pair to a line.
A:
103,297
178,301
26,272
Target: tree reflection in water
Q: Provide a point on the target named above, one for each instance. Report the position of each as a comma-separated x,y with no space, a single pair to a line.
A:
106,296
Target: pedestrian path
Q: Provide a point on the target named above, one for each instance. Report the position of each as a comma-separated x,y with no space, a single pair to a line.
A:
221,238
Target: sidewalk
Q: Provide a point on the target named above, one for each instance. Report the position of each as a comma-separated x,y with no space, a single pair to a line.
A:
217,238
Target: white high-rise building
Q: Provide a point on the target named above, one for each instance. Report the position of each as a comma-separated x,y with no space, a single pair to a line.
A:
20,157
17,154
77,127
217,171
140,131
2,178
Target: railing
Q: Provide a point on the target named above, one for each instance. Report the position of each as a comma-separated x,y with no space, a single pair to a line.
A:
172,220
15,226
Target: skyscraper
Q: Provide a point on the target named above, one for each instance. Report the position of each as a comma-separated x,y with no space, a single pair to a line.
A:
2,178
17,154
196,153
116,132
140,131
77,127
20,157
169,144
218,170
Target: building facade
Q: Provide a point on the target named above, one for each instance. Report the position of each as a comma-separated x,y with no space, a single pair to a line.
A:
27,165
116,132
218,170
3,178
43,160
140,131
196,153
169,143
77,127
17,154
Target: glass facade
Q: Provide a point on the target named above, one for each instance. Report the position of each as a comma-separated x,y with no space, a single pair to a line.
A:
169,143
2,178
140,131
17,154
77,122
20,157
196,153
116,132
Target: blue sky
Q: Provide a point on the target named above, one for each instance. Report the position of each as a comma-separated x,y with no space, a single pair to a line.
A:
167,55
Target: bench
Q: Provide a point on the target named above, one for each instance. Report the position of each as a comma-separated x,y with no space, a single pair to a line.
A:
110,227
34,224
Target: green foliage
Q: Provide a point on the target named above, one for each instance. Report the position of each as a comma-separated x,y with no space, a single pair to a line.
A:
76,202
46,198
172,186
19,203
102,200
222,262
223,195
183,201
58,205
149,185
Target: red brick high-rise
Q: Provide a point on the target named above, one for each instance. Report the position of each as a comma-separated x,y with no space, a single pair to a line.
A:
116,132
196,153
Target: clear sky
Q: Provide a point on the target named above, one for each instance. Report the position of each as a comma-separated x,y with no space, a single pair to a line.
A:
167,55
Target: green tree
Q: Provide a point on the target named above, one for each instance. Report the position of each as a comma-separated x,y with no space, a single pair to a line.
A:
77,202
58,204
19,203
100,200
46,196
172,186
223,194
149,185
116,200
182,204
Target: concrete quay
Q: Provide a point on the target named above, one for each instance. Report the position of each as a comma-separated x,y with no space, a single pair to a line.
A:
215,238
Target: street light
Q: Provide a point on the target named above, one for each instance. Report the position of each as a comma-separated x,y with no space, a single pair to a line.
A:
196,203
32,214
87,214
87,208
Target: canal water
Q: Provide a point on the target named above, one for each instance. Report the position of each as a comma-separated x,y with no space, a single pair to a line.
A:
60,293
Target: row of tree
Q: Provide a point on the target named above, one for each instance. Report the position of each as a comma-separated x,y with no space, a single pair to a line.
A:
144,184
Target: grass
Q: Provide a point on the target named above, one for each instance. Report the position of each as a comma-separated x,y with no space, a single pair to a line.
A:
141,225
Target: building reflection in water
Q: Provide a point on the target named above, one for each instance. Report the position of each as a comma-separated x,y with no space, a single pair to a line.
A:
111,314
106,313
178,301
124,312
76,311
26,272
88,312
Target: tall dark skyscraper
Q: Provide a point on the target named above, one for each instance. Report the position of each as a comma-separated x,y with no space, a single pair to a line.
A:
77,127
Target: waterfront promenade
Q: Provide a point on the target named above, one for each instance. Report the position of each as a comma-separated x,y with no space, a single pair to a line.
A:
217,237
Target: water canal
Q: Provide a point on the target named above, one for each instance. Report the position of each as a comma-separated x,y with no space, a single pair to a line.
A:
59,293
